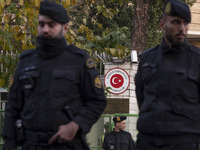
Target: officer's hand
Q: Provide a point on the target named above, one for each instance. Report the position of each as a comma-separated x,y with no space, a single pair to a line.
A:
65,133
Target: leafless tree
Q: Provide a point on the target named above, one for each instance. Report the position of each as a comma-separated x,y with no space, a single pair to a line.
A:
140,25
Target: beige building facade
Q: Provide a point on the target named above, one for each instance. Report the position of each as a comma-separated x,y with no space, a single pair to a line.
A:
131,68
128,97
194,28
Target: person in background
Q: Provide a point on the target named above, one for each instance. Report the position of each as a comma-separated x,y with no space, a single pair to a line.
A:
48,79
107,129
168,86
118,139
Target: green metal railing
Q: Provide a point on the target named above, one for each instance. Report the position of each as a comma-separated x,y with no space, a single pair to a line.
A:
2,114
1,126
112,125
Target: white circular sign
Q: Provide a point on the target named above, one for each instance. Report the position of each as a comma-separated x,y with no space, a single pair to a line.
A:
117,79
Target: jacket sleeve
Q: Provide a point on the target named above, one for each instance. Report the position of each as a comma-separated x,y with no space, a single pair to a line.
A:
12,113
105,146
139,85
93,97
131,144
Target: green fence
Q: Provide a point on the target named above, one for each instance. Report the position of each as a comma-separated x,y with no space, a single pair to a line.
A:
1,126
130,127
130,122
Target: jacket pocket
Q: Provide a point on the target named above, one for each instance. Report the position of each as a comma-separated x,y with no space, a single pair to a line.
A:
65,87
189,110
148,70
28,80
186,99
187,85
112,145
124,144
64,74
187,75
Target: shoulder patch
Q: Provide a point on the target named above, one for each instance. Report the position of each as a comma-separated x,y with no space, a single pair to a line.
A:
97,82
10,82
148,50
26,53
90,63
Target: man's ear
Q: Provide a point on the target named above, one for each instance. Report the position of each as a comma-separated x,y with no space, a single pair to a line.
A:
117,124
65,28
162,24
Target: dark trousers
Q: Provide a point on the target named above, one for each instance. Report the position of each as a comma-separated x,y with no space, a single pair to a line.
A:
145,145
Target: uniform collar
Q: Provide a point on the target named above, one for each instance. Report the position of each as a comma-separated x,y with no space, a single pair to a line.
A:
49,47
173,48
117,132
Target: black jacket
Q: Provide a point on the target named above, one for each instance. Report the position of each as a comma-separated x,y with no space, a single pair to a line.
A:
118,141
167,90
44,86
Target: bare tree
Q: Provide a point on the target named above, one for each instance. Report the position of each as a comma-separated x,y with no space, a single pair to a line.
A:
140,25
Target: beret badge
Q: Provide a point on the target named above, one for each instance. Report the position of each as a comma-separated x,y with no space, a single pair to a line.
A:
168,8
118,118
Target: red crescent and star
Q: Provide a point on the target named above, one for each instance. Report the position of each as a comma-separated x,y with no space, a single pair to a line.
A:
117,81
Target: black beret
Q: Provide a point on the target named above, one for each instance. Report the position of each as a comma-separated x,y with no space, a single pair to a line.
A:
119,118
177,8
54,11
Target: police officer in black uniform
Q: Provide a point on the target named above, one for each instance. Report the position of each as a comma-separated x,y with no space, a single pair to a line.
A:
168,87
48,79
118,139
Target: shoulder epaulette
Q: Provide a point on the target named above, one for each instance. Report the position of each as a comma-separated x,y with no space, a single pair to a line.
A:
195,49
77,50
26,53
126,132
108,134
148,50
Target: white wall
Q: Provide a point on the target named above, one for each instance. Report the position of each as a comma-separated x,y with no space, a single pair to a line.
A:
97,129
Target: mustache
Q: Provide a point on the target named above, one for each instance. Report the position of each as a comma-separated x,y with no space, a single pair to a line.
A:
181,34
45,34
